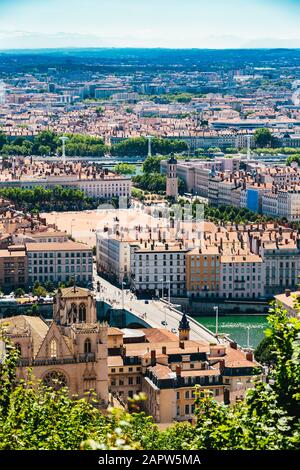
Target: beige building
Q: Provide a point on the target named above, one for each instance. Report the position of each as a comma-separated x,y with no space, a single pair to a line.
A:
71,350
290,302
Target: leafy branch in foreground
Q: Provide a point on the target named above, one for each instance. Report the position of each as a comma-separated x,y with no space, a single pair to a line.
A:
33,416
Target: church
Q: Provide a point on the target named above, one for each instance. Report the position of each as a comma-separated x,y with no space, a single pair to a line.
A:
71,350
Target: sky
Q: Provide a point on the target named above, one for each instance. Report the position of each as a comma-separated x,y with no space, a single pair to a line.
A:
149,23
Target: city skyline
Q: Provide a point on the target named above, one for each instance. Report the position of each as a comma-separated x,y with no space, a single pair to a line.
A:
197,24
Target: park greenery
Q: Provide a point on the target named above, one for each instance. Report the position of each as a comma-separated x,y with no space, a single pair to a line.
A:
263,138
36,417
138,147
293,158
229,214
125,169
152,164
40,199
49,143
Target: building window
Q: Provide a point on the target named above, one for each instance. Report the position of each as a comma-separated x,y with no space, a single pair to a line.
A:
82,313
87,346
53,348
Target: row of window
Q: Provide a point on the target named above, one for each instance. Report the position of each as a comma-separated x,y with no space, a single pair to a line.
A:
60,254
59,269
121,382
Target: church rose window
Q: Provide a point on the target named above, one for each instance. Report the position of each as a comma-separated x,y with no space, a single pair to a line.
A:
55,380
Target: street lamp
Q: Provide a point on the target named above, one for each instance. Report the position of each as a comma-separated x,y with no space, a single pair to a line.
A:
123,284
165,307
169,293
248,336
162,289
216,309
64,139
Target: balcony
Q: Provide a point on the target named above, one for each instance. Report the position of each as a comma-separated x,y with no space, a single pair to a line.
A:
41,361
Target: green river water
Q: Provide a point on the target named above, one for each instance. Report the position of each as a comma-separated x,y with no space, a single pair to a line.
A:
237,327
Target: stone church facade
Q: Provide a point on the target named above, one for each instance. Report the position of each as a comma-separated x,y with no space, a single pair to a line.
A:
71,350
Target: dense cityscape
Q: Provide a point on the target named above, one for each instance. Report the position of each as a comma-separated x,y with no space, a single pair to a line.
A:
149,249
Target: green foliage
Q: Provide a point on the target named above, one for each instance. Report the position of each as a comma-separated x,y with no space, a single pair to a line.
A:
293,158
38,290
19,292
49,143
3,139
138,194
99,110
124,169
138,147
236,215
264,353
152,164
42,199
84,145
152,182
263,137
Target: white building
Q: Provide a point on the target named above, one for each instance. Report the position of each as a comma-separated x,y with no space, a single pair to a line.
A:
241,276
283,203
157,267
113,256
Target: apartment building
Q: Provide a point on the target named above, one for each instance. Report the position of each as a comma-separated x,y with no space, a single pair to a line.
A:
59,262
283,203
241,276
252,194
106,188
113,256
203,272
13,268
196,174
158,269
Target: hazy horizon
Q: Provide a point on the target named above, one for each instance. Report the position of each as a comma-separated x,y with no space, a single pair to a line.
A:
168,24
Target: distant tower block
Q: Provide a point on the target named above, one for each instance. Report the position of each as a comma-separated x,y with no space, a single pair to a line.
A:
64,139
172,180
